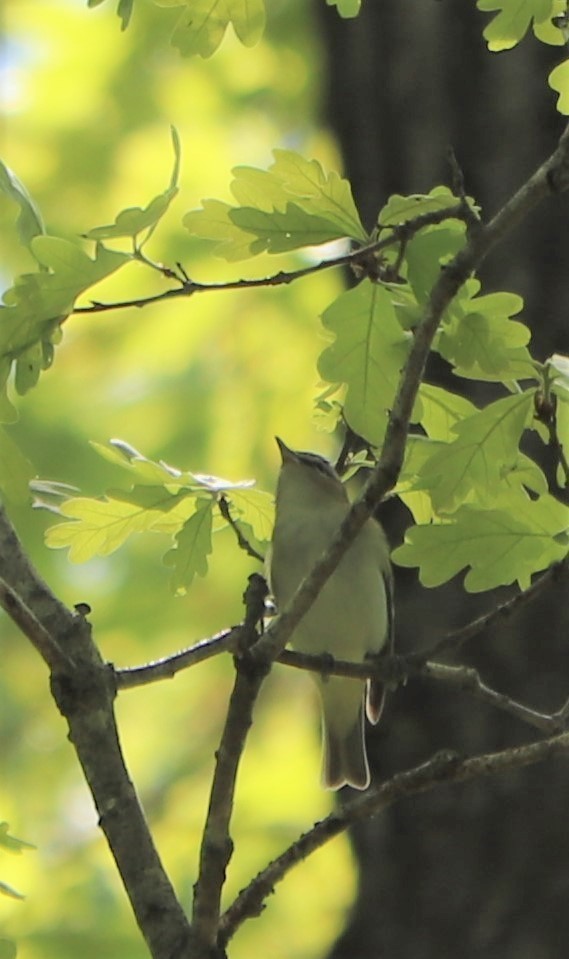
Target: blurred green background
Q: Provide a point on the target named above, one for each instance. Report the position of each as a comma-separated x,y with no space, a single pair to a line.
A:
204,384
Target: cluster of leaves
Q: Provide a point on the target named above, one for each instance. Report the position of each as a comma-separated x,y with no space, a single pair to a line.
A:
202,25
38,304
190,507
547,19
478,501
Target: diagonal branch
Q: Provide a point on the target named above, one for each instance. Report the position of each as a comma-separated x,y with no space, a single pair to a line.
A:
217,846
83,688
49,650
455,639
444,768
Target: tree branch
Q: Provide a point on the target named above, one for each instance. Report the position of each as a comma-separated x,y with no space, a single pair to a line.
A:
217,846
242,541
83,689
49,650
362,257
455,639
168,666
468,679
444,768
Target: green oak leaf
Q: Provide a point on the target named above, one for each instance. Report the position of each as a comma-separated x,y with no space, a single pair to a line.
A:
277,232
346,8
213,222
442,410
38,302
428,251
101,526
559,81
480,339
513,20
146,471
559,363
256,509
400,209
136,219
203,23
500,546
367,355
485,448
193,546
318,192
29,222
562,421
294,203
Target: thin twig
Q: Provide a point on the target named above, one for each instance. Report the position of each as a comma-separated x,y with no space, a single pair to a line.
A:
399,233
468,679
398,669
454,640
242,540
168,666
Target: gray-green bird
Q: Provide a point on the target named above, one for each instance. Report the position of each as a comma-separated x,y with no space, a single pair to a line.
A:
352,617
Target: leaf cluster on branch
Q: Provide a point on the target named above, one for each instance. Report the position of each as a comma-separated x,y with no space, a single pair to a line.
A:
478,502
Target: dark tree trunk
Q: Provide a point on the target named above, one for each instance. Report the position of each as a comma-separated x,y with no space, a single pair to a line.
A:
483,869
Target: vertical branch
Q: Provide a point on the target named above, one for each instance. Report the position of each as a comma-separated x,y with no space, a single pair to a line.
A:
217,845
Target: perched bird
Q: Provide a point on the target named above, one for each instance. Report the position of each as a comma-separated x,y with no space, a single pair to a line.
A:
352,617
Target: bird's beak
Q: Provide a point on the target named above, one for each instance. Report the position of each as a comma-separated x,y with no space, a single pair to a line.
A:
287,455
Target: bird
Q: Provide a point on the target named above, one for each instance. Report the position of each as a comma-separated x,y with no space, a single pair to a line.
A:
352,616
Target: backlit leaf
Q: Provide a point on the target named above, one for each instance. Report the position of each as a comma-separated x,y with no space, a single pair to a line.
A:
559,81
136,219
101,526
29,222
512,20
294,203
346,8
255,508
482,341
486,446
202,24
500,547
37,303
193,546
367,355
